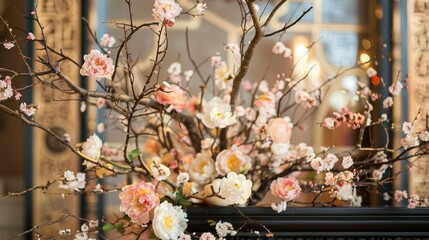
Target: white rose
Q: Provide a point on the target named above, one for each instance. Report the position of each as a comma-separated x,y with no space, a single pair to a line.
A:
235,189
91,149
169,221
217,114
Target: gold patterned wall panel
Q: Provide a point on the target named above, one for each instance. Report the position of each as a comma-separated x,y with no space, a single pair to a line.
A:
418,18
61,19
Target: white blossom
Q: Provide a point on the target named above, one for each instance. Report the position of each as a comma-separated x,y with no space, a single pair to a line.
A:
217,114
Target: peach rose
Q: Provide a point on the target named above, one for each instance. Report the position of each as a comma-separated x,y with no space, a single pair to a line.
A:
280,130
97,65
287,189
138,201
173,95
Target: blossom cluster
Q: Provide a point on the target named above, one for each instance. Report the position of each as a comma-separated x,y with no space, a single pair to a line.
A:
232,143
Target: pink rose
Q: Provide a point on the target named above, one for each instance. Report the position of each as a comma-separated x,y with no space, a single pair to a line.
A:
287,189
97,65
280,130
165,11
173,95
138,201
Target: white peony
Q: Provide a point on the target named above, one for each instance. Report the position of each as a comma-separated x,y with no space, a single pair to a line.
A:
235,189
91,149
217,114
169,221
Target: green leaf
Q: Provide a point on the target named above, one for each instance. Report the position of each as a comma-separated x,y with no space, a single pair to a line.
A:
108,227
120,228
182,200
126,217
211,222
134,154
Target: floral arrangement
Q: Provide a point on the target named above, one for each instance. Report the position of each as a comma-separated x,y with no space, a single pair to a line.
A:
228,144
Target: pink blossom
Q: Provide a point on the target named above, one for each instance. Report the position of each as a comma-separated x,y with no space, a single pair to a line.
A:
207,236
329,178
388,102
107,40
413,201
287,189
395,88
424,136
173,95
407,128
18,95
279,130
329,161
31,36
201,6
330,123
100,102
371,72
399,195
8,45
215,61
303,98
97,65
73,182
347,162
138,201
266,103
232,160
235,49
280,48
165,11
6,90
29,110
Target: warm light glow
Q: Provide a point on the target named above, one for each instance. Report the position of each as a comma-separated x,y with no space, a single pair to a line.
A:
364,58
366,44
300,50
338,100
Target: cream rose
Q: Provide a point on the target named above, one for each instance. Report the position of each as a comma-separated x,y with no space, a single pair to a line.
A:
91,149
169,221
202,169
232,160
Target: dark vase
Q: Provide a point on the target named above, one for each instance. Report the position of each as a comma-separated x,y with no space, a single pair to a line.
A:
315,223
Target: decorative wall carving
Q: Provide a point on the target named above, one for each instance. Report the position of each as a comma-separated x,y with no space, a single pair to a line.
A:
418,14
61,19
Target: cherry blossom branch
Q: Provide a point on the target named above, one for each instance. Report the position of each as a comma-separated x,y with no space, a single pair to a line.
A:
287,26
